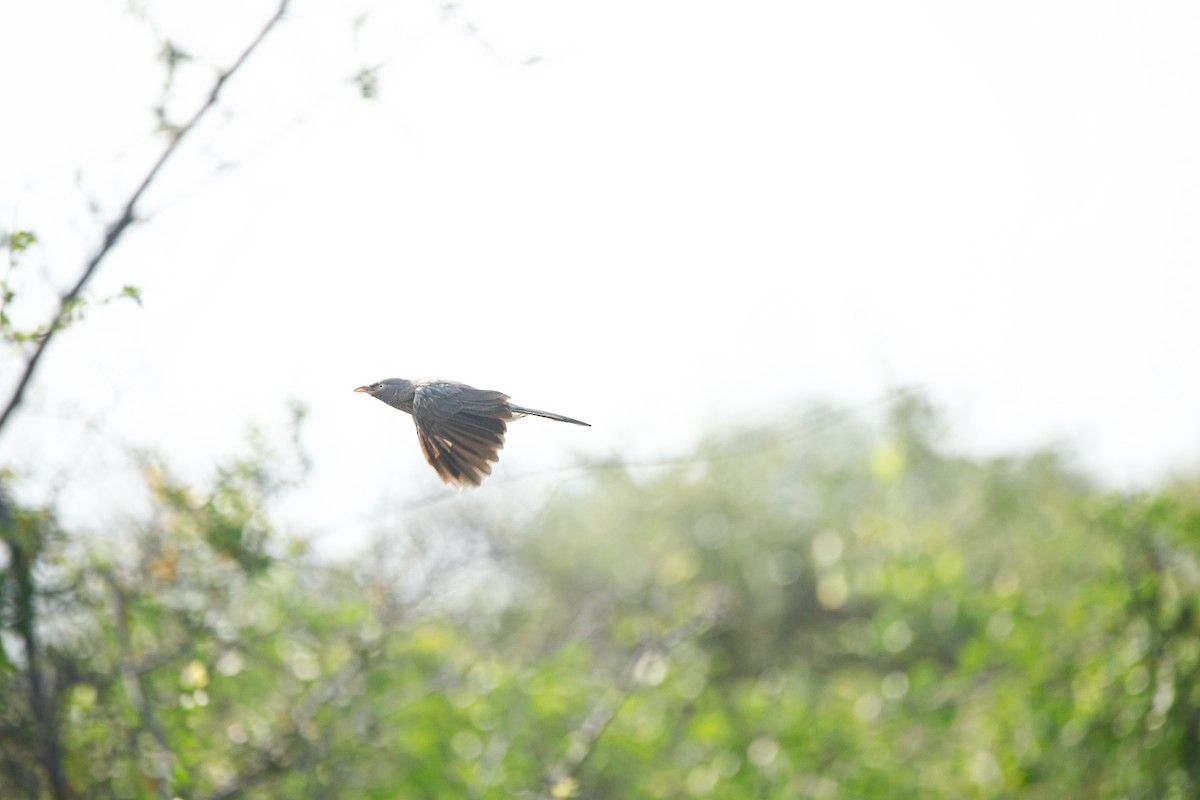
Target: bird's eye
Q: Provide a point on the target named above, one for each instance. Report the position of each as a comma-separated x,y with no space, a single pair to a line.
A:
377,386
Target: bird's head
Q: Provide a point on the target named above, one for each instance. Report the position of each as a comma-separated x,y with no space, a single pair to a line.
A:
373,388
396,392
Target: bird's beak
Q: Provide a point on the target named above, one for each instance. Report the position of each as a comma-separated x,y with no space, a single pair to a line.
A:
366,389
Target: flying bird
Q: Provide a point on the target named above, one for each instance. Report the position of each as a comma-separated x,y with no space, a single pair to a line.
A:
461,429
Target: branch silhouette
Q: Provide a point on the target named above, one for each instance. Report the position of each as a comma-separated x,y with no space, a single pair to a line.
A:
128,216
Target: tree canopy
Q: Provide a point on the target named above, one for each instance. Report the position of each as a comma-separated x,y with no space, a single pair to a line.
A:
830,610
828,606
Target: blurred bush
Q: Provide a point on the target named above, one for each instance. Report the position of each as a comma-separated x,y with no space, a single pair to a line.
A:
807,610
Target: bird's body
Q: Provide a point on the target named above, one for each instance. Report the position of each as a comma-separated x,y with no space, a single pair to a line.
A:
460,428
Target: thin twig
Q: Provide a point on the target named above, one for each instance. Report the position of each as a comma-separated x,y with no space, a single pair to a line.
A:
127,217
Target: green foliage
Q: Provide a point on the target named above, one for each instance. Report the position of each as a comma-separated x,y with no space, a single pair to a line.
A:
789,613
132,292
17,241
71,310
172,59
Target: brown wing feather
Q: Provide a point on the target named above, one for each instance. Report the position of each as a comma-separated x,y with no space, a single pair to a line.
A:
461,433
454,465
461,451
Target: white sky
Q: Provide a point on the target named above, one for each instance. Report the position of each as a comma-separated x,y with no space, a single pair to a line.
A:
683,215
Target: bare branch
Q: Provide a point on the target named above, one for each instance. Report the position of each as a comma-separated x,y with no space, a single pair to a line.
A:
127,217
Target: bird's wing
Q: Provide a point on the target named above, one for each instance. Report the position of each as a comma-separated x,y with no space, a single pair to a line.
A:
461,430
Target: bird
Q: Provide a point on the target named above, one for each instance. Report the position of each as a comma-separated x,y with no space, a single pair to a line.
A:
460,428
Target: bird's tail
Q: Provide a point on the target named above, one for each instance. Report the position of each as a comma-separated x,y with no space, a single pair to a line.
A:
547,414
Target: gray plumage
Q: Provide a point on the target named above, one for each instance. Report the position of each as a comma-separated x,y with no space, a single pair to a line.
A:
461,429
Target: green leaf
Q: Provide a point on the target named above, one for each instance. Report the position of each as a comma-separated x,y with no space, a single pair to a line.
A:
132,292
18,240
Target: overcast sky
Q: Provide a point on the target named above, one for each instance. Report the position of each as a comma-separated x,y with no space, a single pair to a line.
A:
662,218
